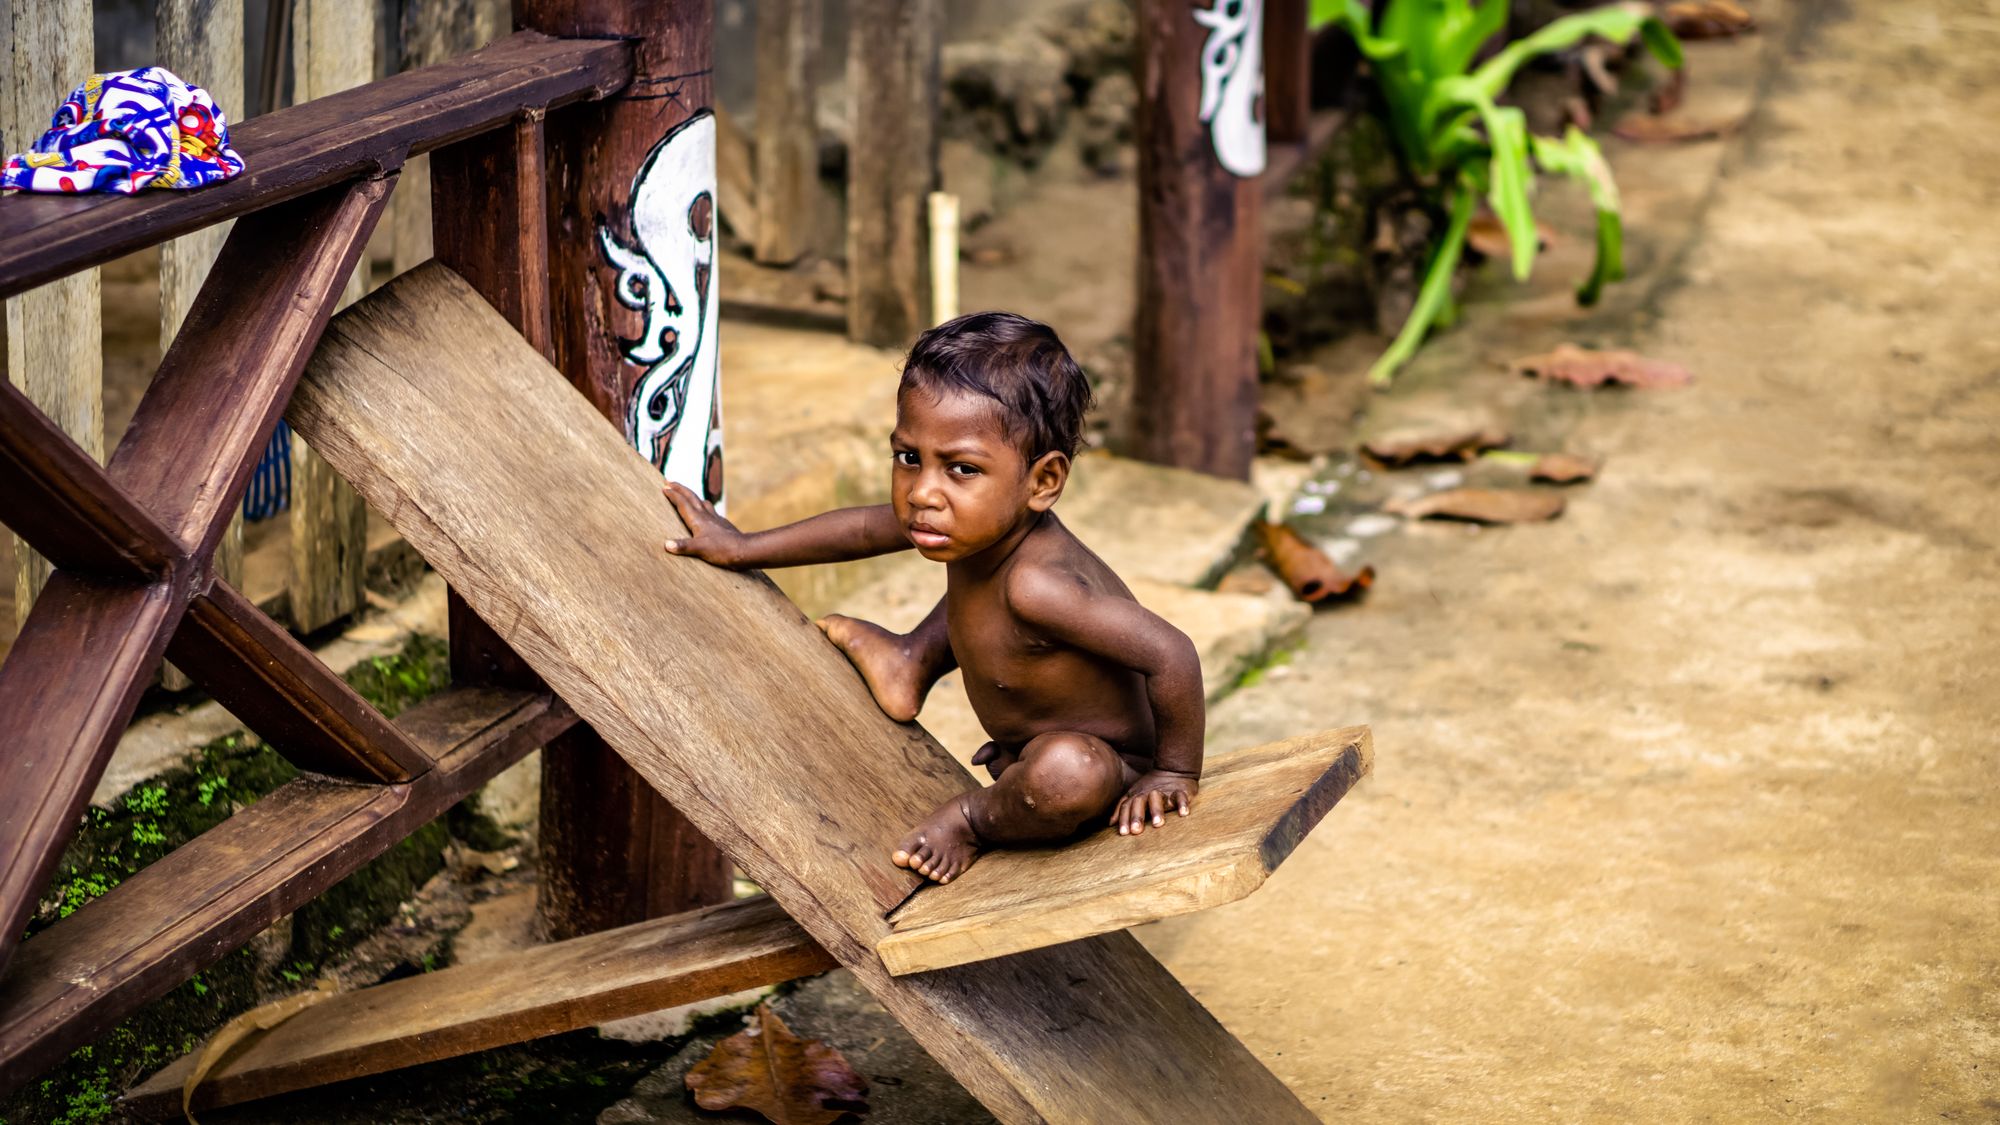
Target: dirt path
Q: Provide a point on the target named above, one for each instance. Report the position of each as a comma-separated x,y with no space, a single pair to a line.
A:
1688,804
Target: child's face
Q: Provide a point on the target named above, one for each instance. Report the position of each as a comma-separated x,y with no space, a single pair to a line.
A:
959,483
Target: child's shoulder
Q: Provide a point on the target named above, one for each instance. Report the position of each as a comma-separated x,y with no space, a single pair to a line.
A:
1058,575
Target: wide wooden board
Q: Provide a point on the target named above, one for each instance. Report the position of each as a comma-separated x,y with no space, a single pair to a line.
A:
541,991
722,694
1254,808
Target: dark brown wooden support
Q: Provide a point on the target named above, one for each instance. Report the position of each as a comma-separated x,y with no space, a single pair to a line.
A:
81,976
892,74
300,149
1288,50
196,437
67,690
252,666
1194,402
58,498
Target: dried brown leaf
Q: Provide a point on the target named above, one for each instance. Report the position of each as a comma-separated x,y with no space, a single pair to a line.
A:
1305,568
1673,130
1419,443
1588,367
1707,19
768,1070
1564,468
1481,505
1486,235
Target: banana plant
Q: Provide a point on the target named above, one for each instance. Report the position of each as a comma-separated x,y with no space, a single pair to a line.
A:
1457,140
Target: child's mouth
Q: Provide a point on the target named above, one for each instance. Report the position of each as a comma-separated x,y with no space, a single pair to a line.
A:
925,537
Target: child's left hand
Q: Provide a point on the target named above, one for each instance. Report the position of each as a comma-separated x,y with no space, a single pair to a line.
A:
1149,799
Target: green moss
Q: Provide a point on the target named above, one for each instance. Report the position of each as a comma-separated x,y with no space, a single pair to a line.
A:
393,683
1276,658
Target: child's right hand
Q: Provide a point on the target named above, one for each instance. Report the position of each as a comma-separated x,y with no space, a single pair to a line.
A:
710,538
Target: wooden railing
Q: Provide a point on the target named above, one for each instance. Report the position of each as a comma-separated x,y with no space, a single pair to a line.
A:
133,541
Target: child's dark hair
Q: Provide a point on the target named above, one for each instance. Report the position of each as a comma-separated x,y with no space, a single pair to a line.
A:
1018,363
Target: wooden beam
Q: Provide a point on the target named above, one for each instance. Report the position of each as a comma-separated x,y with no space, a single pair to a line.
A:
361,132
429,32
1288,48
637,171
787,143
60,500
892,76
221,387
1254,808
729,702
78,978
526,995
1194,401
53,353
67,690
253,667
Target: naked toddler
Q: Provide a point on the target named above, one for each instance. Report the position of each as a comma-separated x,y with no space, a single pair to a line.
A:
1093,703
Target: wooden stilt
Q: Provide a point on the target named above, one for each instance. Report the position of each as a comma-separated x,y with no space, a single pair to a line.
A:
787,165
892,77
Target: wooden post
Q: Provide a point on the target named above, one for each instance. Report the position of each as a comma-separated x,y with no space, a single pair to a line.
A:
431,31
333,49
1201,156
787,129
1287,71
892,77
54,350
203,43
633,306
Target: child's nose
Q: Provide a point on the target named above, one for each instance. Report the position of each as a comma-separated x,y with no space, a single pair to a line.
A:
927,491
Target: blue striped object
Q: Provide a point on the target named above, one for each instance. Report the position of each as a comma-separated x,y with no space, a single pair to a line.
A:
270,490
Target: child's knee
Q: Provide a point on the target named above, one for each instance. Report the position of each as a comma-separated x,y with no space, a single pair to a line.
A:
1069,777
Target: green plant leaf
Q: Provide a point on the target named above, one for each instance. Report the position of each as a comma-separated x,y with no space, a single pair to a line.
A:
1508,171
1435,295
1576,155
1618,23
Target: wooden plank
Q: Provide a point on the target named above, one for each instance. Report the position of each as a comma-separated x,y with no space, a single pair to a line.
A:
221,387
732,704
637,172
1254,808
81,976
57,494
787,142
1194,401
52,348
360,132
253,667
1288,48
892,73
549,989
67,689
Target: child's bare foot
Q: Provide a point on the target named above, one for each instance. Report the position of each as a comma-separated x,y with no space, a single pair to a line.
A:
885,662
942,846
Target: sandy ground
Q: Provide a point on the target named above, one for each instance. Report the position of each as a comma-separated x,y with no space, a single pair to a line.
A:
1685,805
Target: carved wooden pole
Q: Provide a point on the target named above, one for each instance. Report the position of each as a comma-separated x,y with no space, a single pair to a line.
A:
1201,157
633,301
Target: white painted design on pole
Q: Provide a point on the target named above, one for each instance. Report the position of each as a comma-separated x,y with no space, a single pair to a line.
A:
675,415
1232,83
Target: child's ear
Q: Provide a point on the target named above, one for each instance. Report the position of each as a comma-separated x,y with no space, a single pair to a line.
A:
1046,478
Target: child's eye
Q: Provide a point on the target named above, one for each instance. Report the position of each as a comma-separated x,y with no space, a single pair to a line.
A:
905,458
961,469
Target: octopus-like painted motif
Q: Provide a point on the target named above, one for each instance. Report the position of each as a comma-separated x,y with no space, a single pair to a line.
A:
675,415
1232,83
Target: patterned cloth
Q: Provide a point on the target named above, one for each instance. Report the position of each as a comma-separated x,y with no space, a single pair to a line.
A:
125,131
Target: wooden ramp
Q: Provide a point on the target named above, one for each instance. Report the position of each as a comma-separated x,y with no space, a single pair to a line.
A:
730,703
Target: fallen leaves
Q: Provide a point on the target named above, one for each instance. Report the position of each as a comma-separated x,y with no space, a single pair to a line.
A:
1486,235
1564,468
1707,19
1481,505
1673,130
1463,442
768,1070
1587,367
1312,576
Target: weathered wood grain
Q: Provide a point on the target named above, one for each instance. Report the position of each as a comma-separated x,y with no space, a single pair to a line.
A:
732,704
1287,71
604,976
52,348
1254,808
787,142
360,132
252,666
81,976
892,76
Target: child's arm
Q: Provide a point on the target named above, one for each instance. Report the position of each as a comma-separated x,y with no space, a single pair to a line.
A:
836,536
1122,630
